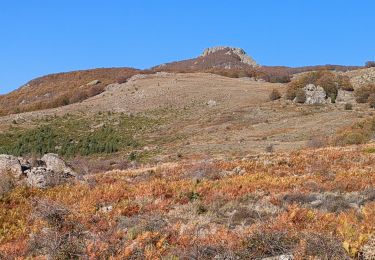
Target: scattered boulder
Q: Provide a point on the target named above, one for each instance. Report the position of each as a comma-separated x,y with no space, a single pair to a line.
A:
49,171
211,103
315,95
10,164
55,164
93,83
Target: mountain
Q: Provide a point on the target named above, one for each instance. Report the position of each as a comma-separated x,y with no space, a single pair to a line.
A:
222,57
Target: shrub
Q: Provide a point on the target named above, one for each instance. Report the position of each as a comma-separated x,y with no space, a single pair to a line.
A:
275,94
362,94
63,239
370,64
317,142
348,106
371,100
300,96
323,247
358,133
267,244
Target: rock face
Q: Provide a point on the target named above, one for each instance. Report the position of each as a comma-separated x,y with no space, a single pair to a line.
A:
315,95
10,164
231,51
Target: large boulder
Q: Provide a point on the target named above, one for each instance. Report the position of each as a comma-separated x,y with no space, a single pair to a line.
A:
55,164
315,95
41,177
10,165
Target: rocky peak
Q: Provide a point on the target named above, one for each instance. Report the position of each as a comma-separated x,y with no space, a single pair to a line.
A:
240,53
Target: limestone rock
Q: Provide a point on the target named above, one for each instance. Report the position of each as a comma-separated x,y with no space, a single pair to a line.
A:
55,164
93,83
10,164
41,177
315,95
231,50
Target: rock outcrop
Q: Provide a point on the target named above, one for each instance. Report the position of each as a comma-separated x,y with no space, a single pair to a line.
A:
231,51
10,165
55,164
50,170
315,95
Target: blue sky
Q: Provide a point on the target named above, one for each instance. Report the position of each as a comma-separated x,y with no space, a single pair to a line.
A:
39,37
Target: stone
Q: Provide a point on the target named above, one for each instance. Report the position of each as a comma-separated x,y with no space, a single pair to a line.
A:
93,83
10,164
55,164
41,177
211,103
315,95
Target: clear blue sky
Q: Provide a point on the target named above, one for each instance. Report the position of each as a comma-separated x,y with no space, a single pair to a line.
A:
46,36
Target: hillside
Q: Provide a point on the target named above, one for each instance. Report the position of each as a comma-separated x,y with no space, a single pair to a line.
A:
313,204
61,89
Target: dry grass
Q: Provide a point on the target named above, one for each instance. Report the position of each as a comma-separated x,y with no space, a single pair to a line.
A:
264,210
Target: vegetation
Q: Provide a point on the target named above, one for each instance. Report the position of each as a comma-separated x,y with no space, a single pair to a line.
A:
72,135
358,133
329,81
61,89
275,94
162,213
370,64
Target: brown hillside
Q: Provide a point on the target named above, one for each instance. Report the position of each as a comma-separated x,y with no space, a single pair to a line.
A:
61,89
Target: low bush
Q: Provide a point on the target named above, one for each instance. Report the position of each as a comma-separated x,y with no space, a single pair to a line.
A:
370,64
362,94
274,95
358,133
348,106
267,244
300,96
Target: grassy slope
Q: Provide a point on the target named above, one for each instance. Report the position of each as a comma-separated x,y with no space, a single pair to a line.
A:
252,208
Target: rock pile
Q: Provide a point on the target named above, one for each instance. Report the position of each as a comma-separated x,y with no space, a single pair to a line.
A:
49,171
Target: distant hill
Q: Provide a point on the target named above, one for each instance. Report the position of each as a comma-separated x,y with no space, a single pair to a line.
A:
61,89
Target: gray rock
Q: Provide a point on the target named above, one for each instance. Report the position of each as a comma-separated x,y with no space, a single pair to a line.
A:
41,177
93,83
55,164
10,164
315,95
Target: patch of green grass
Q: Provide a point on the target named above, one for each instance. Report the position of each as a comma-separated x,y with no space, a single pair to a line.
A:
70,135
